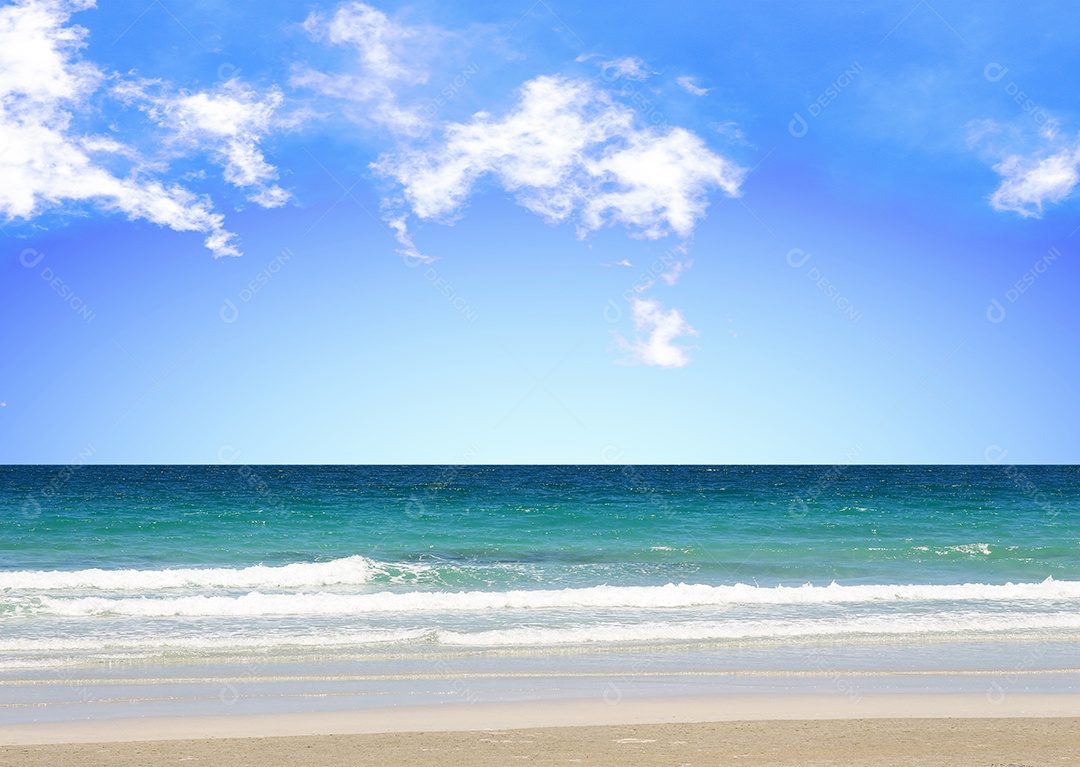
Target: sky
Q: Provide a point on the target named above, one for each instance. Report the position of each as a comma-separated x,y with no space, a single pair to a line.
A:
543,231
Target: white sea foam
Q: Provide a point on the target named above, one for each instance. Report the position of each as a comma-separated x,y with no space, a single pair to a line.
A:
945,626
355,570
234,640
671,596
852,629
970,548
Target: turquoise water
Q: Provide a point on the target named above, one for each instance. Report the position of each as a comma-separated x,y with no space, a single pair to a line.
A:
634,524
183,564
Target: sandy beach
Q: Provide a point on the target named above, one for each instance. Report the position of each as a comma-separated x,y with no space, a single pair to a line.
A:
958,730
855,742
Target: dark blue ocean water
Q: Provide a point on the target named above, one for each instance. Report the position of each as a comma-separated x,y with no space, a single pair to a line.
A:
135,561
721,524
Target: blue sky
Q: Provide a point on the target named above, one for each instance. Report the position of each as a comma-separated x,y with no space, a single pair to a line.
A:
551,232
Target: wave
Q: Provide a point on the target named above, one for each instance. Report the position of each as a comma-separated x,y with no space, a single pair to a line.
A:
861,629
230,641
671,596
348,571
864,627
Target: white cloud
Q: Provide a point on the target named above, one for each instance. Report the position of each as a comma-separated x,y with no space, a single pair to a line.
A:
570,150
387,58
979,130
379,41
1049,129
408,249
688,85
667,269
1034,171
1027,183
657,182
230,122
567,150
671,276
656,330
731,131
628,67
47,163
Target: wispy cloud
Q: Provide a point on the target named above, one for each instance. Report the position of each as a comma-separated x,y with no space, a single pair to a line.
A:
229,122
387,57
1035,170
622,67
655,332
628,66
572,150
1030,182
979,130
731,132
51,162
671,276
688,85
568,151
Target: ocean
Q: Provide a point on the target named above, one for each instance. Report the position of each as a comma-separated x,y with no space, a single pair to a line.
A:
299,586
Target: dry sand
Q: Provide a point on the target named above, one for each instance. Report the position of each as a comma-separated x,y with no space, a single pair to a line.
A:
1029,731
855,742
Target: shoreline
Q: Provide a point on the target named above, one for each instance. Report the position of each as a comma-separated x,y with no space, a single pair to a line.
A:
557,714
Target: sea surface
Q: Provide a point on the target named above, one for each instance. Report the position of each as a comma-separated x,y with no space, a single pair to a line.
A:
614,571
